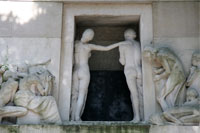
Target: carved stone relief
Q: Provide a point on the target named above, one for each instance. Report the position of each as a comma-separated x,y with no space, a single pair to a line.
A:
168,75
29,87
166,65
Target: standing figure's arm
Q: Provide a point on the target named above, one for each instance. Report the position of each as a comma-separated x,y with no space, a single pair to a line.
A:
103,48
122,59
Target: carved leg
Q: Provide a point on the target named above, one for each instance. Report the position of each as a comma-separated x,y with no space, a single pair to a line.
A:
83,89
131,81
195,118
12,111
168,116
74,98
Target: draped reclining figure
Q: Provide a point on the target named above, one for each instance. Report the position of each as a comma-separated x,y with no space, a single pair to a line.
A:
29,87
34,94
7,92
187,114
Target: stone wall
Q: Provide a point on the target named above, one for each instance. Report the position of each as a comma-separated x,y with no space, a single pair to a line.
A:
32,32
176,24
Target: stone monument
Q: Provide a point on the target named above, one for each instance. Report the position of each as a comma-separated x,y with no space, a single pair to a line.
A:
141,59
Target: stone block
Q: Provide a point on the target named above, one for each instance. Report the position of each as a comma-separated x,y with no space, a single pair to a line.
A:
174,129
175,19
30,19
32,50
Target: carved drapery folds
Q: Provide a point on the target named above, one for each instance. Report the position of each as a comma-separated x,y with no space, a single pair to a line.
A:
28,88
169,77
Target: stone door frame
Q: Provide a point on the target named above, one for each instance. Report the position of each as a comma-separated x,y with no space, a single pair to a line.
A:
70,11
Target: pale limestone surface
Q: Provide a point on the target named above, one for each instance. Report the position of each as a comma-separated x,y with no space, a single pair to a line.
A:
71,10
175,19
30,19
174,129
31,32
107,127
32,50
175,24
113,1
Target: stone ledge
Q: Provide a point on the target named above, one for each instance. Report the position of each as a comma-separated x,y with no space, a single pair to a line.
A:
107,1
98,127
78,127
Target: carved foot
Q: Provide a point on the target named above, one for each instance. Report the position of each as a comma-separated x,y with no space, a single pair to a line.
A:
78,119
136,120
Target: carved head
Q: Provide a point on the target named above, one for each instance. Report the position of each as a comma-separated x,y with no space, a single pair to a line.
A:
87,35
129,34
196,58
150,52
191,94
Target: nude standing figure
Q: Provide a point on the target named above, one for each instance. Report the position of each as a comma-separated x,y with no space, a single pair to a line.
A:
130,58
81,73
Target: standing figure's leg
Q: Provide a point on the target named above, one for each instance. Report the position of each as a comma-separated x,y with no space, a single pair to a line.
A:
132,85
82,95
75,86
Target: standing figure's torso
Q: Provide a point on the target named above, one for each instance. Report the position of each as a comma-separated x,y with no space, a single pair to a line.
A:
82,53
132,53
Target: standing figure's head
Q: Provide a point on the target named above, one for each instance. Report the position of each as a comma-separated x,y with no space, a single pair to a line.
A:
191,94
196,59
87,35
129,34
150,52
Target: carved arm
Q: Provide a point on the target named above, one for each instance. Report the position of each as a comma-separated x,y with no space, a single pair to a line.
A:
166,72
103,48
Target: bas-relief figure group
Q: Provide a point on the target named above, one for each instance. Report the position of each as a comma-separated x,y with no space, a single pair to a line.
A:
25,94
25,90
179,95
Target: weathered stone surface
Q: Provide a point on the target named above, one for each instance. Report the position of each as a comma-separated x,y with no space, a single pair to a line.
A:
174,129
30,19
32,50
175,19
108,1
183,46
71,10
97,127
71,127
